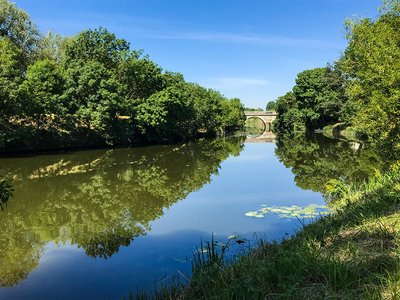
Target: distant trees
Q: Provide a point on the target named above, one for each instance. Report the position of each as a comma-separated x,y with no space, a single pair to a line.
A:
252,109
91,88
270,105
233,114
361,90
315,101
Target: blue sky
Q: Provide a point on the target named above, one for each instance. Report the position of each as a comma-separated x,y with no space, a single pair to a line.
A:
251,49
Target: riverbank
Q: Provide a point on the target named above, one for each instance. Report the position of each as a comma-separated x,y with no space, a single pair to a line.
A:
54,148
352,254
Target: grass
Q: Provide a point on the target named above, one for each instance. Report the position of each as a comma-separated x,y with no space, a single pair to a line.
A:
353,253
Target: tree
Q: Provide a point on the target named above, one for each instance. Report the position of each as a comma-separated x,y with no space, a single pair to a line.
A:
270,105
168,115
320,95
11,75
372,63
140,77
289,118
208,105
42,91
99,45
172,78
50,47
94,97
16,25
317,100
92,89
232,115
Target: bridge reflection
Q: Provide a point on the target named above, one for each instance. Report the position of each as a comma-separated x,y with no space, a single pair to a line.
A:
266,137
267,117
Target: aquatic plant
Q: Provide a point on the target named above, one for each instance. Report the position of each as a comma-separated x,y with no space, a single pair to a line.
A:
291,212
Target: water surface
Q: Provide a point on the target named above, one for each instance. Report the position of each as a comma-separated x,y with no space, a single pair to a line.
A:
101,223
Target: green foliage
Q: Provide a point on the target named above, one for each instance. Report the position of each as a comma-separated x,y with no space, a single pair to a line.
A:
16,25
98,200
92,89
208,106
50,47
139,77
94,96
167,115
172,78
316,101
371,63
42,92
317,160
289,117
6,192
232,116
98,45
185,110
271,106
11,72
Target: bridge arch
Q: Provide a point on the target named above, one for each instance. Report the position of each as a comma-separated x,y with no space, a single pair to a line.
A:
267,117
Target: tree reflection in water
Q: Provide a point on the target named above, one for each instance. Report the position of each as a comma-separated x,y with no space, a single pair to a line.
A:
98,200
317,159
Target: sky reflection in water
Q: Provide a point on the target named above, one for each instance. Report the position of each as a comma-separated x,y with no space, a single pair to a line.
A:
98,224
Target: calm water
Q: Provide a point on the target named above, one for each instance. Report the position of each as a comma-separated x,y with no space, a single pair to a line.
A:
98,224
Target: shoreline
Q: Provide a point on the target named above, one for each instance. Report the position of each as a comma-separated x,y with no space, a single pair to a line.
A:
352,254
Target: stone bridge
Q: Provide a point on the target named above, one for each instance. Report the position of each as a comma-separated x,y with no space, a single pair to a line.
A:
266,116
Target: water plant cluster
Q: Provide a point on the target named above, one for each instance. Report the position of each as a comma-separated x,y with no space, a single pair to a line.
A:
291,212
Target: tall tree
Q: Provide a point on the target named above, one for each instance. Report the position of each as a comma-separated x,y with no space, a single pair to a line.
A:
140,77
98,44
42,91
168,115
94,97
11,74
232,115
16,25
372,66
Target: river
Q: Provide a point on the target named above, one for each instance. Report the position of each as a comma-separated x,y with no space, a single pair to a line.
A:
99,224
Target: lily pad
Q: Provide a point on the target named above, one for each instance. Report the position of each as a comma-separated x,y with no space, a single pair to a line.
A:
292,212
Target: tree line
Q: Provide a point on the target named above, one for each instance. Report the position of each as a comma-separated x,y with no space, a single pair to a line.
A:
360,91
93,89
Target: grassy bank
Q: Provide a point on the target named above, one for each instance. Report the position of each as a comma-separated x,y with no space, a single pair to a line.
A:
352,254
